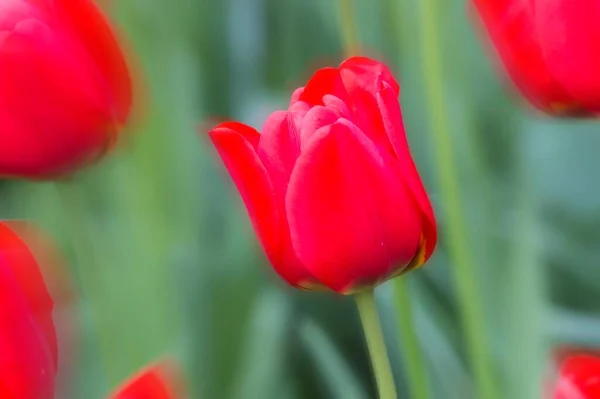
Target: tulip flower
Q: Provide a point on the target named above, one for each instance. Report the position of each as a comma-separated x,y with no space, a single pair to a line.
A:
550,50
330,185
579,378
65,88
158,381
28,343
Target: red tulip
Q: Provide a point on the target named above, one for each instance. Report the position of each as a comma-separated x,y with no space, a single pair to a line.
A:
550,48
64,87
330,184
28,344
158,381
579,378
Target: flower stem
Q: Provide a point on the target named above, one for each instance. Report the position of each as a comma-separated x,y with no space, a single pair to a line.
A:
367,309
463,266
413,360
349,33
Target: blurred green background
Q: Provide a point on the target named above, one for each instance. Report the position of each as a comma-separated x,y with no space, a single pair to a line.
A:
167,261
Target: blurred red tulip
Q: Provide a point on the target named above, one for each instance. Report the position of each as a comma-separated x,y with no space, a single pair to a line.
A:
579,378
64,87
562,352
159,381
551,49
330,184
28,342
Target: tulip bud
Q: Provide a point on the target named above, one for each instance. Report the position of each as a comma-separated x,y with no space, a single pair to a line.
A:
65,88
330,185
28,339
158,381
550,50
579,378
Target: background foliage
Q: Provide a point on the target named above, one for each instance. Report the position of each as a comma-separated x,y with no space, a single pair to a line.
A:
162,249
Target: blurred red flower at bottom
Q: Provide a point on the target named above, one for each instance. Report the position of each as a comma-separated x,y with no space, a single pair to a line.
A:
579,378
28,339
158,381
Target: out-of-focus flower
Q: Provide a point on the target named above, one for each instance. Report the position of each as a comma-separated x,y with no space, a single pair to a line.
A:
579,378
330,184
550,49
158,381
562,352
65,87
28,339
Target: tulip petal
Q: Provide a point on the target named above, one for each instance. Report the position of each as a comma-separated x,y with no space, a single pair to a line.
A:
315,119
26,272
161,381
296,95
26,364
64,124
247,132
324,81
571,44
511,27
252,181
279,148
362,78
394,127
352,221
332,101
365,74
579,378
91,28
259,192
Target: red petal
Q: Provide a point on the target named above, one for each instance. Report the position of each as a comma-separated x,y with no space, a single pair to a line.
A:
579,378
259,194
155,382
279,148
362,78
247,132
252,181
571,44
296,95
511,27
65,124
20,260
324,81
315,119
26,365
365,74
352,221
91,28
394,126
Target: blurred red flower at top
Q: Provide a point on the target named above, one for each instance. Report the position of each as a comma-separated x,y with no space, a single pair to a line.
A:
28,339
579,378
64,87
551,49
158,381
330,184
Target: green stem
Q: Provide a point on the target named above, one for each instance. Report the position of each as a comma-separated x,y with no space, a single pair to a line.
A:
381,365
455,231
526,296
348,28
411,350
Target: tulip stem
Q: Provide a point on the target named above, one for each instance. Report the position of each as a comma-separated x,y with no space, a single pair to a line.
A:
367,308
463,267
411,350
349,33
